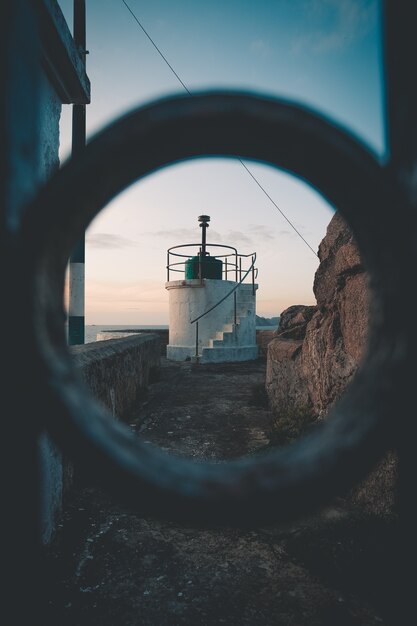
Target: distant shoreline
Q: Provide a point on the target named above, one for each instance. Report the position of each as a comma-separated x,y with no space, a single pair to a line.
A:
92,330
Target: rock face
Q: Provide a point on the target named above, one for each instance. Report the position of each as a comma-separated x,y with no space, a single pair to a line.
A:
316,352
285,382
317,349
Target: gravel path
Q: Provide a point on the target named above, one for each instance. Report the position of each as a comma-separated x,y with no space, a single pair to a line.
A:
110,567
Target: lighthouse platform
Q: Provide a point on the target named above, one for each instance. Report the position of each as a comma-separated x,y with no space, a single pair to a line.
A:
225,334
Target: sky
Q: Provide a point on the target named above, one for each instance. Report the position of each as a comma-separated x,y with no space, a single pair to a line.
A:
324,54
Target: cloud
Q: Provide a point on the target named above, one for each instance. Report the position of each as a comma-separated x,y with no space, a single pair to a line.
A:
238,238
180,236
249,238
262,232
336,24
107,241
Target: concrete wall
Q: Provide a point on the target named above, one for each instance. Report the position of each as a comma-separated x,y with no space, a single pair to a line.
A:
61,79
187,300
117,371
190,298
50,457
163,334
50,112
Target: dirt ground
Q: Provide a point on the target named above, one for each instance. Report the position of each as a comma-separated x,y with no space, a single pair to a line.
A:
110,567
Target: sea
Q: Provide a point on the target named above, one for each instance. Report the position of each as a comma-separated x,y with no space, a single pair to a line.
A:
92,330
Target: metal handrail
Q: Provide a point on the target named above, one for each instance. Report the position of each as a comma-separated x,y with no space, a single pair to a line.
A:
234,266
233,291
230,292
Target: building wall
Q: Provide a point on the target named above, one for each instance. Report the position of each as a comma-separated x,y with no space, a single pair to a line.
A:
48,161
40,68
50,113
190,298
187,300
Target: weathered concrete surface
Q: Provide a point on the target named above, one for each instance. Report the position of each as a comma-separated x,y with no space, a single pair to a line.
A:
219,340
118,371
113,567
162,333
56,38
49,456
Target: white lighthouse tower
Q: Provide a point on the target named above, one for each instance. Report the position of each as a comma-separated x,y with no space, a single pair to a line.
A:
212,302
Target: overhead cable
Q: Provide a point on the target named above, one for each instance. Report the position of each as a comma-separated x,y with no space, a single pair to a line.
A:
251,174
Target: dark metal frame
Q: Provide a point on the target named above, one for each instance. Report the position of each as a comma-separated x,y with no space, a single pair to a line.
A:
286,482
378,200
76,324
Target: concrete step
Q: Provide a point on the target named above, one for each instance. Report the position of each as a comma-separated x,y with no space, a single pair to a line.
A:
224,338
229,354
227,328
229,339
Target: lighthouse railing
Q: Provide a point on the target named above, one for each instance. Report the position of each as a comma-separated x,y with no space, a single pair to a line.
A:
233,264
232,260
233,292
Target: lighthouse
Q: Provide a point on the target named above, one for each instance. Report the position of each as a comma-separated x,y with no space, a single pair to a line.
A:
212,301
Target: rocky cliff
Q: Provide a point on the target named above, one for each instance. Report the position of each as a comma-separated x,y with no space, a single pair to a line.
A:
316,351
317,348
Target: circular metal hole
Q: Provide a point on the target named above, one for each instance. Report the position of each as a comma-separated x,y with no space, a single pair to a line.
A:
280,484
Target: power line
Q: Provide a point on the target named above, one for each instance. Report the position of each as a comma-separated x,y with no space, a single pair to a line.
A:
277,207
156,47
240,160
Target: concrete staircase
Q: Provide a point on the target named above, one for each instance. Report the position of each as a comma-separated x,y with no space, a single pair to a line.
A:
235,342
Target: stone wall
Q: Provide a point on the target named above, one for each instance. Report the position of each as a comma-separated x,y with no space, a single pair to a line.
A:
263,338
117,371
163,334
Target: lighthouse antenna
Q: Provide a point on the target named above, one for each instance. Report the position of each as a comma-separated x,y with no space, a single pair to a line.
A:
204,224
